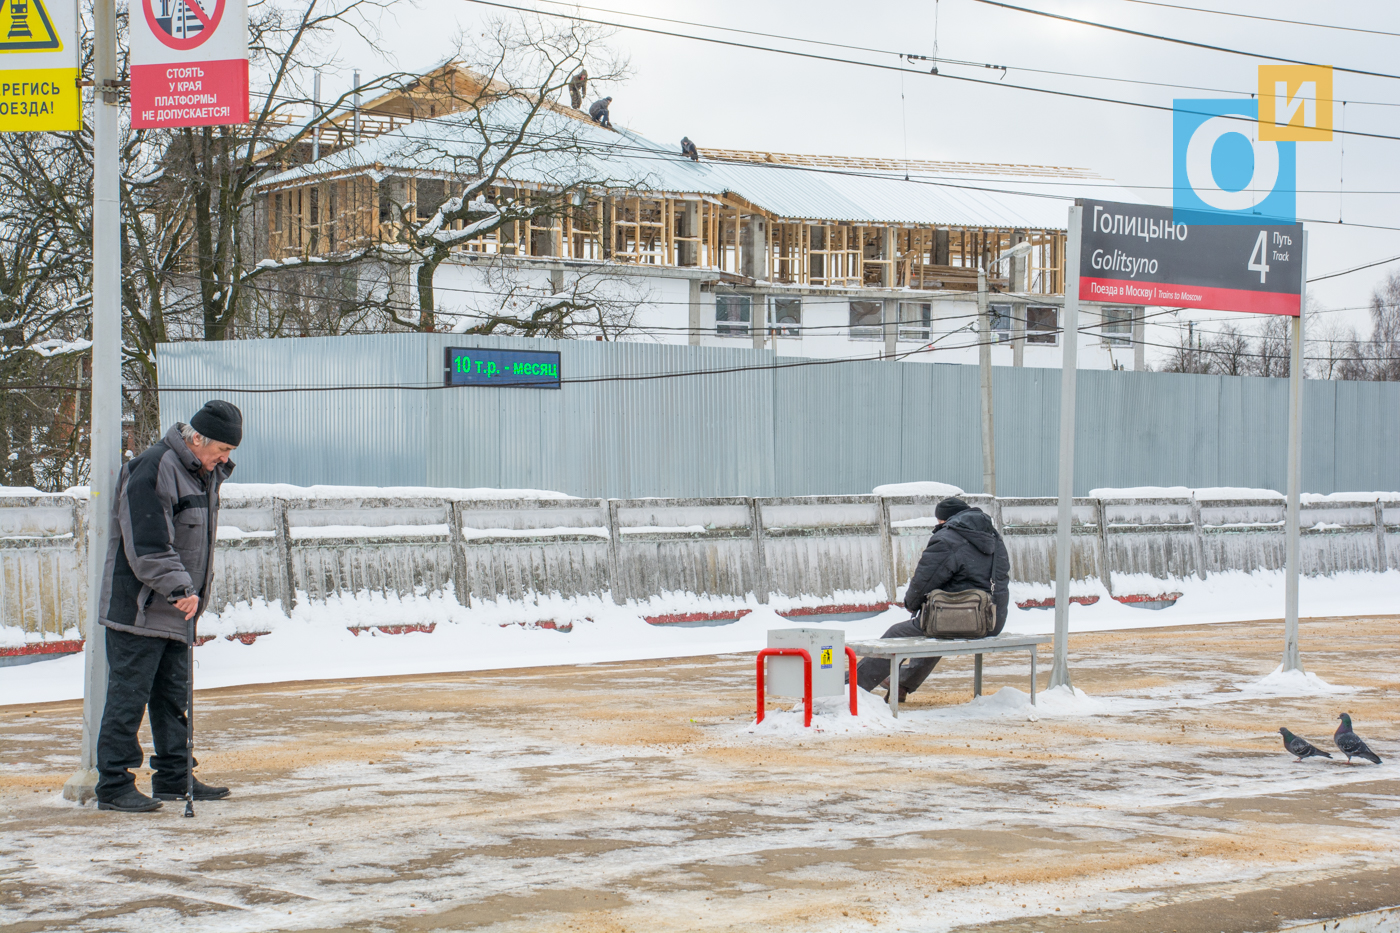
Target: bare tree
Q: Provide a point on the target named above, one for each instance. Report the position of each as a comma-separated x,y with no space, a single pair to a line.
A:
1231,353
1378,358
509,135
1327,345
567,304
44,312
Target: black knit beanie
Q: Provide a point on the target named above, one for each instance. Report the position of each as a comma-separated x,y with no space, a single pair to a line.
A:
949,507
222,421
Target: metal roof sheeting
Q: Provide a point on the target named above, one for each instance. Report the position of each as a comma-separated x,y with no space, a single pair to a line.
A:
998,197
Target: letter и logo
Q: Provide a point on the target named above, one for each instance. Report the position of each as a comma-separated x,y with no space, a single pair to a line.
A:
1222,174
1295,103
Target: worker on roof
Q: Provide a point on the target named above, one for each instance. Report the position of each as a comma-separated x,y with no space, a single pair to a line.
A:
688,149
578,87
599,112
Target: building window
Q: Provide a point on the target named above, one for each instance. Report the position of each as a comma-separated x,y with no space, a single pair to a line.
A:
732,315
1042,324
785,315
915,320
1117,326
867,320
1002,318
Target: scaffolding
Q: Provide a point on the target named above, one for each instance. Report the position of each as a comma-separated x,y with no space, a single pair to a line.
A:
334,215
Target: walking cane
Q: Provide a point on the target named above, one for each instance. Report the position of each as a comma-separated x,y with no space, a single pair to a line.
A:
189,726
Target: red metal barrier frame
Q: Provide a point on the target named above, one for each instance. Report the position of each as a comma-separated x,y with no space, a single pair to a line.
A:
851,662
806,657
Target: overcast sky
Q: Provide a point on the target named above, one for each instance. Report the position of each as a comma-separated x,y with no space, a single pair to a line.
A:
747,99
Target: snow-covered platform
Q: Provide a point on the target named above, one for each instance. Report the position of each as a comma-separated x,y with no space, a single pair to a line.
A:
640,795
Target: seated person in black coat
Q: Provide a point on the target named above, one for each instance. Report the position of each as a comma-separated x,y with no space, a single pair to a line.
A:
964,553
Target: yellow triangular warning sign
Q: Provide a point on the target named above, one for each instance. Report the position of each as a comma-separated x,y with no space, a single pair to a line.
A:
25,27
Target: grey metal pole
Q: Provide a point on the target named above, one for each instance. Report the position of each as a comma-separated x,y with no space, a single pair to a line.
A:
357,107
316,118
106,427
1291,659
1059,671
984,366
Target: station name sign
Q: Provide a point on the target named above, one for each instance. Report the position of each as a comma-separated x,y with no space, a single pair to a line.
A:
1136,253
478,366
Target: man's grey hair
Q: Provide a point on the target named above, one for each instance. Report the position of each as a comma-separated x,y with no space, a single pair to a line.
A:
192,436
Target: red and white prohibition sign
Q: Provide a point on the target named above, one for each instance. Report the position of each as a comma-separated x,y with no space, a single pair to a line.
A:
189,63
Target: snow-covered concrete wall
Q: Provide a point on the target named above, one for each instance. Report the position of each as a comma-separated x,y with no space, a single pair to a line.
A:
280,544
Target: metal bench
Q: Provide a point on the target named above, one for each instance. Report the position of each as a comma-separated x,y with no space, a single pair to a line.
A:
901,649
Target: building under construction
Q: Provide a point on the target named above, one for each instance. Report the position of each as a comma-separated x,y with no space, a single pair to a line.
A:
825,256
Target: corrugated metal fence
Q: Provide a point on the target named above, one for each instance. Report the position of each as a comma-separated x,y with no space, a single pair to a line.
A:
349,542
749,423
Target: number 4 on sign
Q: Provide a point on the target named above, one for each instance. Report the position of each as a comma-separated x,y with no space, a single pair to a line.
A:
1259,257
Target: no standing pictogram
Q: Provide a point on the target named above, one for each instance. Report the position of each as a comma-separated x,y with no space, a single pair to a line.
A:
183,24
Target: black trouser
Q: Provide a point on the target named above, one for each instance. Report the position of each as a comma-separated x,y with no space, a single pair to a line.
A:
912,672
143,672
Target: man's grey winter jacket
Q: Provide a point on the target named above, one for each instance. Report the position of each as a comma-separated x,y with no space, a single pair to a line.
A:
964,553
164,520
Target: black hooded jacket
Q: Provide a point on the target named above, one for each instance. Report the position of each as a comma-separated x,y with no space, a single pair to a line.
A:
964,553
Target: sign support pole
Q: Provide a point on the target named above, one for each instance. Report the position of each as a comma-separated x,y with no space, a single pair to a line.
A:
984,367
1059,670
106,406
1291,659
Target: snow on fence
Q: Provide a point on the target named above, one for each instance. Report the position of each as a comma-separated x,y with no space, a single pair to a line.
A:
311,547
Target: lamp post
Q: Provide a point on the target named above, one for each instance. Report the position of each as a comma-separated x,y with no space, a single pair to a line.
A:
984,365
106,407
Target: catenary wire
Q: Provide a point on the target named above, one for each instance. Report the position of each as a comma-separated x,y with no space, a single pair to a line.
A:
935,57
1266,19
1188,42
935,73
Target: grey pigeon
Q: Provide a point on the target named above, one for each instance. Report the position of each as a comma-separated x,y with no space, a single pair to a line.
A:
1350,743
1301,747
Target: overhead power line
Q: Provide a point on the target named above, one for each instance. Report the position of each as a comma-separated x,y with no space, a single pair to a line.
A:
1265,19
1197,45
902,70
933,58
1369,265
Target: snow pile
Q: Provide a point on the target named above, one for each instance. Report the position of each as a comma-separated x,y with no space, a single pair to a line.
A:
830,716
1233,596
341,637
288,491
1010,703
1283,683
928,488
1204,494
1309,497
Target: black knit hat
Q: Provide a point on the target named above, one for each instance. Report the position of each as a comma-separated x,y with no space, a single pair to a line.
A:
949,507
222,421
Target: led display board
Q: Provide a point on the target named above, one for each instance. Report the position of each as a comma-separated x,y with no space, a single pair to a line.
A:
522,369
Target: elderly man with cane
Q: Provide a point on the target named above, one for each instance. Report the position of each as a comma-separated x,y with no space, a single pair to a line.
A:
156,582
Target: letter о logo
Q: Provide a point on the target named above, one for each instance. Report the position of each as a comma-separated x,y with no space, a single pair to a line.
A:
1222,173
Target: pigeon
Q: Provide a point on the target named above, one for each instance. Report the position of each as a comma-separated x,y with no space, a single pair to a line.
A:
1301,747
1350,743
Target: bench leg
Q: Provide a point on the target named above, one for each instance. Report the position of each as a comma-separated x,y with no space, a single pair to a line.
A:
977,676
1033,675
894,686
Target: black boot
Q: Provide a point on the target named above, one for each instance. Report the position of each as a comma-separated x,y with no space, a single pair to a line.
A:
133,801
202,791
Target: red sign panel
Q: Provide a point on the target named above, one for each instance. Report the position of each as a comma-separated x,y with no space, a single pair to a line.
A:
189,63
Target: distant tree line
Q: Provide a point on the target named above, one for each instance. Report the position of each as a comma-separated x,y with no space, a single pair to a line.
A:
1330,350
